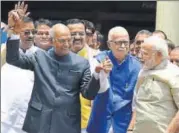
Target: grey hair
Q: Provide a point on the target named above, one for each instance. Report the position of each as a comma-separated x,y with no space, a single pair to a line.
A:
145,32
158,44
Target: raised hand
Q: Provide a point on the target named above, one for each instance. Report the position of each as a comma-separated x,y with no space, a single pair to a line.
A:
21,9
15,17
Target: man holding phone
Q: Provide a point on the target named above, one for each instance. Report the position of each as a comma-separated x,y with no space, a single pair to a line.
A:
113,107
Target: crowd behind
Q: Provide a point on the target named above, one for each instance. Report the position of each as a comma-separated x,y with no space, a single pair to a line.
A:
138,85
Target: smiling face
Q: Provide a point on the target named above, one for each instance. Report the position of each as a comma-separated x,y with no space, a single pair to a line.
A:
118,42
150,57
27,34
42,38
78,36
61,39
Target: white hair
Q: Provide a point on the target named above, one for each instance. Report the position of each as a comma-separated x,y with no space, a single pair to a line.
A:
51,32
158,44
57,28
117,30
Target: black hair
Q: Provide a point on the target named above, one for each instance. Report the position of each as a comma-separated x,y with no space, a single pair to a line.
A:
42,21
146,32
74,21
170,44
89,25
27,19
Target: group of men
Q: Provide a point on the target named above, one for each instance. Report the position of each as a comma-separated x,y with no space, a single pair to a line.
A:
64,72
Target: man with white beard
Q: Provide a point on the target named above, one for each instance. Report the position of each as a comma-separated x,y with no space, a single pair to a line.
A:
157,90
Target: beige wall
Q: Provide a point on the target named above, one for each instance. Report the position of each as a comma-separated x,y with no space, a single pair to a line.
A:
167,19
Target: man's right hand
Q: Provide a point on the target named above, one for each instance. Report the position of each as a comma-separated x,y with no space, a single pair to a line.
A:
106,65
15,17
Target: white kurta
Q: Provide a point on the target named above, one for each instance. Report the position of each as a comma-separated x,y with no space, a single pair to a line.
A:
16,88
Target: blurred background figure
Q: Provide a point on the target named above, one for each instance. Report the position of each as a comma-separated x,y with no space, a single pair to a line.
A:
42,38
90,30
139,39
3,42
174,56
132,48
160,34
170,45
98,41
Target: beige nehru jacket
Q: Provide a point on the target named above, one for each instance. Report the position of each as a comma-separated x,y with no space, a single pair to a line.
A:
157,99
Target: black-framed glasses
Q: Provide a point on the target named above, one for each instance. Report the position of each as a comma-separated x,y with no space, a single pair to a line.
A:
63,41
119,43
139,42
28,32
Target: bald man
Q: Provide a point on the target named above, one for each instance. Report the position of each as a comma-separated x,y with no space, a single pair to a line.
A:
114,106
60,76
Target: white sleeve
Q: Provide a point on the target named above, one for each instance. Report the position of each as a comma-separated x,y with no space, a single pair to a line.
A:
104,82
101,76
15,37
134,101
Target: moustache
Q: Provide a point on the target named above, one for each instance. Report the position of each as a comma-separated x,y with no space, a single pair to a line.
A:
121,49
29,39
76,40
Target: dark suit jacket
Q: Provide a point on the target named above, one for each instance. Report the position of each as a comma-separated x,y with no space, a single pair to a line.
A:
54,106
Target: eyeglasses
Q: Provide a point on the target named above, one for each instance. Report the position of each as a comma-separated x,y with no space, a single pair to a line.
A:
73,34
43,33
139,42
27,32
63,41
119,43
89,34
176,60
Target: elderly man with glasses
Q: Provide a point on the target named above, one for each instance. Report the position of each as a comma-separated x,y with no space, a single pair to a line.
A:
113,107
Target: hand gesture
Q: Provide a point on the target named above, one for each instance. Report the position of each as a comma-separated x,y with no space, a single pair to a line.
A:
107,65
15,17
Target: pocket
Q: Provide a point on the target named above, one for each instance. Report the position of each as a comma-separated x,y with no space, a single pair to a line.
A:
74,115
74,77
32,120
